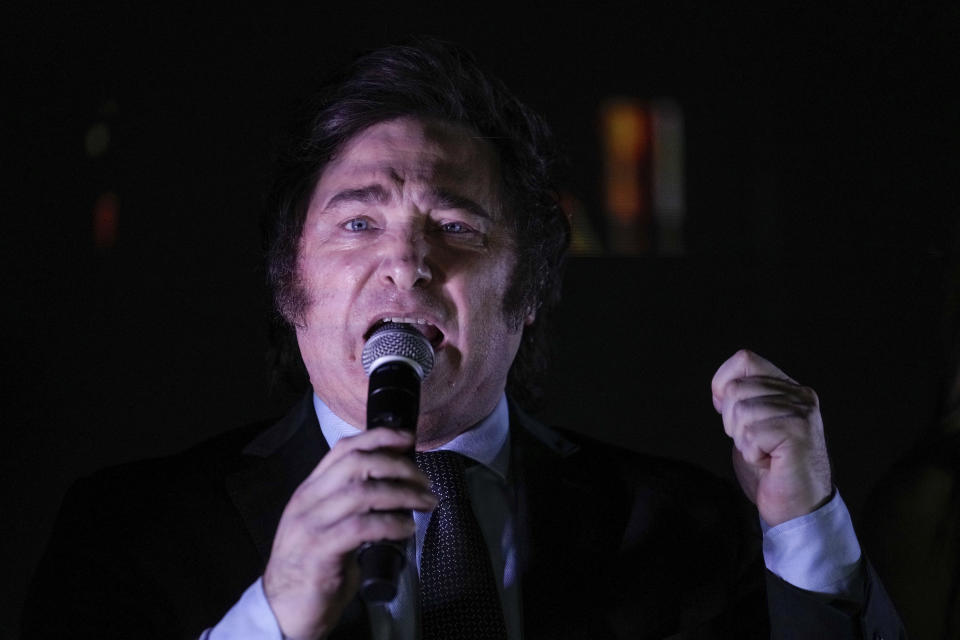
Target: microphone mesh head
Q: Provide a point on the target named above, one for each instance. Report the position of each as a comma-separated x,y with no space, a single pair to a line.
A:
399,340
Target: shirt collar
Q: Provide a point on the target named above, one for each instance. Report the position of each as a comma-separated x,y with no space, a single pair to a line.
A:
486,442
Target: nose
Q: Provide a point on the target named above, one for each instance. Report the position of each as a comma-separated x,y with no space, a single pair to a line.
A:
405,264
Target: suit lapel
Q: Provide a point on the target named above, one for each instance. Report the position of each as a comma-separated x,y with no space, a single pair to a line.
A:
279,459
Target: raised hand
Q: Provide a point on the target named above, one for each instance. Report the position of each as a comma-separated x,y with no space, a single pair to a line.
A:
779,452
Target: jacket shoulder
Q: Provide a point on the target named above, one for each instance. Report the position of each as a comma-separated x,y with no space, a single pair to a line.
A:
664,544
653,479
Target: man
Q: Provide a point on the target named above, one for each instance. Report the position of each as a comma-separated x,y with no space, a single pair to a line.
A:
421,194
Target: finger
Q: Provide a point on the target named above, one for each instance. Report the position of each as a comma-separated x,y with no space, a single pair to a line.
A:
379,438
379,464
346,535
359,466
364,497
758,441
747,411
742,364
757,386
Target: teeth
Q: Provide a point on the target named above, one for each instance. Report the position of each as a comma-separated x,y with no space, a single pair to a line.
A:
406,320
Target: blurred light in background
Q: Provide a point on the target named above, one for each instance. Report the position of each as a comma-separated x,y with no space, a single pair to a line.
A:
669,203
97,139
97,142
643,175
626,176
105,212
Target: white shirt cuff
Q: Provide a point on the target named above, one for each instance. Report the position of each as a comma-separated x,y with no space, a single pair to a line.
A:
251,618
818,552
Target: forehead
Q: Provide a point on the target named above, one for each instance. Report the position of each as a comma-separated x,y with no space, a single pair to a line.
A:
411,151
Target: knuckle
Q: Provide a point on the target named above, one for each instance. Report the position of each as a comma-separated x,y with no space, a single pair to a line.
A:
806,407
314,530
398,518
357,492
360,460
810,395
353,527
746,451
342,444
355,455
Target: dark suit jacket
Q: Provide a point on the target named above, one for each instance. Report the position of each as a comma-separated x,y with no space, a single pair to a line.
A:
610,544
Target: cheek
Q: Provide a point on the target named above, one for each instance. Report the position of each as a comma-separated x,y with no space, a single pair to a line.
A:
484,298
329,283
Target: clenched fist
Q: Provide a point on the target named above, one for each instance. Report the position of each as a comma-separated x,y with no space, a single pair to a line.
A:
779,452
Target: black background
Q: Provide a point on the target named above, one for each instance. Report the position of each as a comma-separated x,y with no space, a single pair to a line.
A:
821,158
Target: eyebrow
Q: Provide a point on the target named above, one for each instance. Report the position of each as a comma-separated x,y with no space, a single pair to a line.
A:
444,199
439,197
371,194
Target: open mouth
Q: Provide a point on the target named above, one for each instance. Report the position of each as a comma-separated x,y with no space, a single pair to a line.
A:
430,331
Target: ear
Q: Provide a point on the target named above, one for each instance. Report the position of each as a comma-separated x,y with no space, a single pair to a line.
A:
530,317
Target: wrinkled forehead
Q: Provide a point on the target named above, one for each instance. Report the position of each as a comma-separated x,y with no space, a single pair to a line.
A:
412,153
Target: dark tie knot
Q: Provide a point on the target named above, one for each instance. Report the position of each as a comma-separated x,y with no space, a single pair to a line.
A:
445,470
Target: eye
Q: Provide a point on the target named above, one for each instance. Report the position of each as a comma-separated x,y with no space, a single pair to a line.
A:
357,224
455,227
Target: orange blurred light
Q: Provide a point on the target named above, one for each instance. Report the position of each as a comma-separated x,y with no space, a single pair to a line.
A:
626,143
105,212
625,125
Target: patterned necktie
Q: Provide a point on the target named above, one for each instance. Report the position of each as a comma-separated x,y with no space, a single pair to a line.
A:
458,593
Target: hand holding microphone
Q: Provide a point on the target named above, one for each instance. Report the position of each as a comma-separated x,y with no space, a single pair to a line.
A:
363,490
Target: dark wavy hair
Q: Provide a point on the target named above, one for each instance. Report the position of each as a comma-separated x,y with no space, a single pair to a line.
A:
432,79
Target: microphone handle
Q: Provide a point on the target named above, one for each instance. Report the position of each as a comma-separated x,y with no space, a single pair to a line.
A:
393,400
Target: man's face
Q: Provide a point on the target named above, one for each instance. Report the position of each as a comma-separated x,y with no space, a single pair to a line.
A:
406,222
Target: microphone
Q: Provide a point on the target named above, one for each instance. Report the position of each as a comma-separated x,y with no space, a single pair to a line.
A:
397,358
